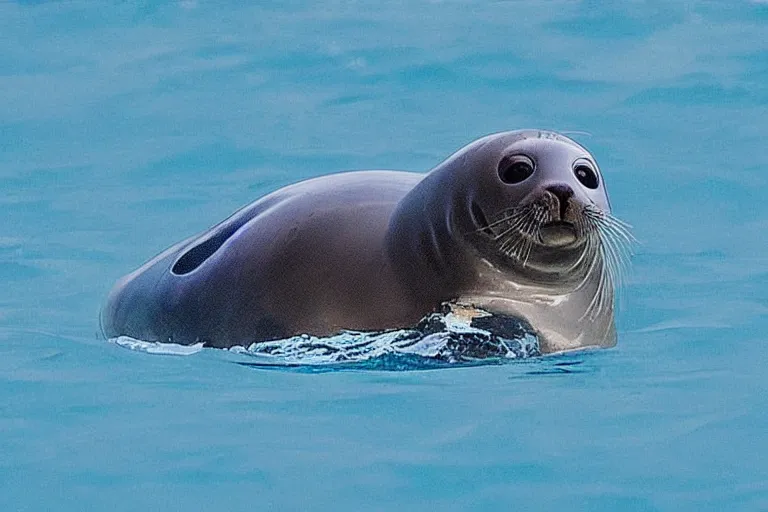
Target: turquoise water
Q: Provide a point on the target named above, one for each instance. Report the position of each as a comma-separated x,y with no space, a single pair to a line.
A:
128,127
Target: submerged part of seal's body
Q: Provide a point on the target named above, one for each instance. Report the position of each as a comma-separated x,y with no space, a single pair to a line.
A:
516,223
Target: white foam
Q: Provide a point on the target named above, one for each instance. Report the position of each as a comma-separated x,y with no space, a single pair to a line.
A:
353,346
448,345
168,349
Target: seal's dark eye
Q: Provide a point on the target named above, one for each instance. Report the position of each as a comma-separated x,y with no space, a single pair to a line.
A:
586,175
515,168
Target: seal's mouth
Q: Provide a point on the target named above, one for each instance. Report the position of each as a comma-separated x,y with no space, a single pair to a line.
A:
558,233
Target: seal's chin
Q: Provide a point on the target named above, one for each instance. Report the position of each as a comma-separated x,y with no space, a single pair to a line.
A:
558,234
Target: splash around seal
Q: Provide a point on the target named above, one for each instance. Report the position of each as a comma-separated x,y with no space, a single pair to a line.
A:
516,223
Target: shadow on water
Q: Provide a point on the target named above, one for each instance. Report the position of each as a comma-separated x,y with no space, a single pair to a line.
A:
531,365
387,363
551,366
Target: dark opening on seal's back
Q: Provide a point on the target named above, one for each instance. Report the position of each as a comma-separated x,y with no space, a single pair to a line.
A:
197,255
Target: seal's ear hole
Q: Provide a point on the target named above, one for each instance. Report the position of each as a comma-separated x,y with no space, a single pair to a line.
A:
586,175
515,169
197,255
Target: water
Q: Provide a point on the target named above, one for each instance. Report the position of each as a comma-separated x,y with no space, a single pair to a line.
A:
125,128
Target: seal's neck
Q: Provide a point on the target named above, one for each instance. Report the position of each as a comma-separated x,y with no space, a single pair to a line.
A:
424,246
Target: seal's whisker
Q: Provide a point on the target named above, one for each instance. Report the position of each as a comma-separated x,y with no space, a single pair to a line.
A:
587,249
620,259
520,225
495,223
607,217
507,216
512,226
623,239
606,220
534,232
530,229
596,304
576,132
618,230
613,242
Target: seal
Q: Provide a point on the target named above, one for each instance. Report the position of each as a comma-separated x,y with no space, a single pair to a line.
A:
516,223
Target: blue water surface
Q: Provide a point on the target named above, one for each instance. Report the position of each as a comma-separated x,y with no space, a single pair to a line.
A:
125,127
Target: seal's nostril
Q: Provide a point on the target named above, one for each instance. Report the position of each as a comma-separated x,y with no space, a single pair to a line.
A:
563,193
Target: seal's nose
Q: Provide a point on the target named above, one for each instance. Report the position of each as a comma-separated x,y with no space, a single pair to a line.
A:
563,193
